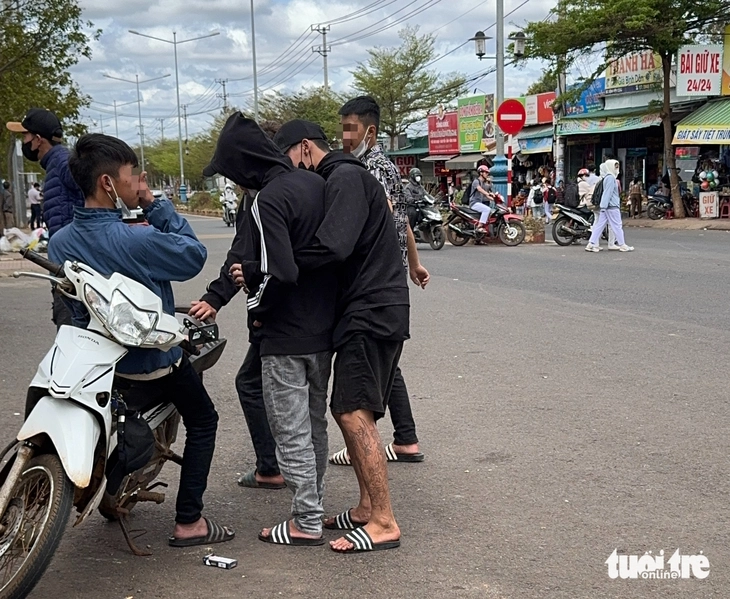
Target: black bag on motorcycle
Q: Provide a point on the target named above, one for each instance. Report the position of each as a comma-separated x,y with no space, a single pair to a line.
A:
135,446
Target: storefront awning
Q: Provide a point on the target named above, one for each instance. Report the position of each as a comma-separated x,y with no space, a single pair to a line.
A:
437,158
464,162
535,132
536,145
707,125
608,121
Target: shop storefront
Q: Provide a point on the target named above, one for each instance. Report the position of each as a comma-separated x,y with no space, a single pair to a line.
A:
533,149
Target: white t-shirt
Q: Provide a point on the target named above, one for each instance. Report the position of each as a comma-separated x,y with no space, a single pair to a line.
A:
34,196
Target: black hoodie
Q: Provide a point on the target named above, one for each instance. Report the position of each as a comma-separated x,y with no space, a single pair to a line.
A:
359,233
297,309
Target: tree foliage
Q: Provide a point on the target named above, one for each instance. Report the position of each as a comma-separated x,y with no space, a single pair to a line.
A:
622,27
547,83
312,104
40,40
401,82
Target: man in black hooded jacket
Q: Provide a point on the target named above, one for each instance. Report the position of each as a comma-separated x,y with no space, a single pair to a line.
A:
358,233
290,312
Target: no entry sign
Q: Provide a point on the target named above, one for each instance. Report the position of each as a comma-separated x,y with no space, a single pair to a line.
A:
511,116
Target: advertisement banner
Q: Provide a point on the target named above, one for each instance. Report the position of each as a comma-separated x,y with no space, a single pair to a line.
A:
591,98
539,109
405,164
489,132
471,123
608,124
726,64
634,72
698,134
709,204
699,70
539,145
443,133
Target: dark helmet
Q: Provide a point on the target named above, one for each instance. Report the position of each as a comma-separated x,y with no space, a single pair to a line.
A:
415,172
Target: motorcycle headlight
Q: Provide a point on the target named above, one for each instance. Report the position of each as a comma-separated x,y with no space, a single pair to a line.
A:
125,322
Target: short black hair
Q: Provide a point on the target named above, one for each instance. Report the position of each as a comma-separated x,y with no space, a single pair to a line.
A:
270,128
591,168
36,184
6,184
96,154
365,108
321,144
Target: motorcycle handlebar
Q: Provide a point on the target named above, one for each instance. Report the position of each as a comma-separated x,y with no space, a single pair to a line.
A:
55,269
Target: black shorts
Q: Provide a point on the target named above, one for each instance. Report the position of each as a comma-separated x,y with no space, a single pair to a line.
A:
364,372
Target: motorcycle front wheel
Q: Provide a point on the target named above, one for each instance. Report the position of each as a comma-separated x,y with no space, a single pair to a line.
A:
454,237
438,239
560,236
512,233
653,212
33,525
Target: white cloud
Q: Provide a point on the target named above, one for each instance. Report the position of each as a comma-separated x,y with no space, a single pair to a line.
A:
279,23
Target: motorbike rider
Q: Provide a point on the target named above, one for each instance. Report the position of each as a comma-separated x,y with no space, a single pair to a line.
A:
415,193
481,194
585,189
154,256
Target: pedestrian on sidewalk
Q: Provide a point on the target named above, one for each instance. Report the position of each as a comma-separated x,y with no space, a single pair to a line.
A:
34,199
610,209
635,193
7,206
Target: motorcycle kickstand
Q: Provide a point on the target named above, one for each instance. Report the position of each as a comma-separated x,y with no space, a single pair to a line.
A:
127,532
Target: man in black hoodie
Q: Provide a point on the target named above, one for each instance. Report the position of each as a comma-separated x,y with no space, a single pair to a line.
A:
358,233
290,313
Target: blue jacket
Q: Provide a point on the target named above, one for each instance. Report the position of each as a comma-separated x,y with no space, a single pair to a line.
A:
60,192
154,255
610,197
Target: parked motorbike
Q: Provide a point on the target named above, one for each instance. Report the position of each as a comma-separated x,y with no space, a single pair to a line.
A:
75,416
573,224
660,206
229,211
463,225
429,227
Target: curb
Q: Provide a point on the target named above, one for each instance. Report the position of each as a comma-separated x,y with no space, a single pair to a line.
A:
684,224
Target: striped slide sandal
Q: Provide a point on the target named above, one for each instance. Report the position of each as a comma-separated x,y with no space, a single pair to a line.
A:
280,535
342,457
344,522
361,543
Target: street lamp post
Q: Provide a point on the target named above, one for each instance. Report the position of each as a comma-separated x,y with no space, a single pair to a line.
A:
174,41
137,82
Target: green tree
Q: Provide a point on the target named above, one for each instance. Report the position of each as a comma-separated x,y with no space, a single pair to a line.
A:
40,40
401,82
547,83
579,27
312,104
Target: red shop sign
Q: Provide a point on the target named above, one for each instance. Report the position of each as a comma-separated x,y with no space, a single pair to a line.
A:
443,133
405,164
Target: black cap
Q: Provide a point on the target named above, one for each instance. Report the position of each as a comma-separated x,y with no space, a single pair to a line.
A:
293,132
40,122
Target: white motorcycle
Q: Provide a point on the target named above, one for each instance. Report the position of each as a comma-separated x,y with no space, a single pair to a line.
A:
230,206
74,417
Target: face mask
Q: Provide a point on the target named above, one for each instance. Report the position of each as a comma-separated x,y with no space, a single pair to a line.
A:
301,164
418,179
29,152
118,202
362,148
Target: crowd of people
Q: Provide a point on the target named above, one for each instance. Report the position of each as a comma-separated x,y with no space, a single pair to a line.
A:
323,251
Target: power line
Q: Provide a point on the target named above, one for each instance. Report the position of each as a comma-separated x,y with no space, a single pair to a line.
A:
365,10
350,37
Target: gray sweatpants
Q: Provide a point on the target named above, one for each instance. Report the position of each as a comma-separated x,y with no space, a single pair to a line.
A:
295,395
612,217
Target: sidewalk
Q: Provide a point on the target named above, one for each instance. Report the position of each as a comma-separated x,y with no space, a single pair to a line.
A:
680,224
11,262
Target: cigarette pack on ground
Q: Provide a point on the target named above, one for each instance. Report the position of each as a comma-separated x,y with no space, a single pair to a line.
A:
227,563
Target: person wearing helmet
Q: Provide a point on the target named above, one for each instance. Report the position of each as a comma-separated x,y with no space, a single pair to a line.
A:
585,189
481,195
414,194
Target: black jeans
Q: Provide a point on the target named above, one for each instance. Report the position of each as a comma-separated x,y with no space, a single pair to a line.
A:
35,216
183,388
400,412
61,314
251,395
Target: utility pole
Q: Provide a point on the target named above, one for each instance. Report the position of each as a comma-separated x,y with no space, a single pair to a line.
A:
185,118
224,95
162,128
255,75
324,50
101,123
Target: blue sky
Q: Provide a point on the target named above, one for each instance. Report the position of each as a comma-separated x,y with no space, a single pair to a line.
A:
284,47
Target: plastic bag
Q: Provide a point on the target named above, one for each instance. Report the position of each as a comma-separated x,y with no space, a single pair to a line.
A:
18,240
5,245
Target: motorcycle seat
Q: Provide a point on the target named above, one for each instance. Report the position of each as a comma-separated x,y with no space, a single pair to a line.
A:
470,211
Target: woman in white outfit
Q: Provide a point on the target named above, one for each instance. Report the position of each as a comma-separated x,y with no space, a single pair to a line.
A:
610,209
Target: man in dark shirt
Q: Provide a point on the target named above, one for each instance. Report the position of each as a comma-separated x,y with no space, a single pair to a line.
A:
359,235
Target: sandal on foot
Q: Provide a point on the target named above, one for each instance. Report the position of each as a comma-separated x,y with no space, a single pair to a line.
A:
344,522
392,456
362,542
341,458
249,480
280,535
216,534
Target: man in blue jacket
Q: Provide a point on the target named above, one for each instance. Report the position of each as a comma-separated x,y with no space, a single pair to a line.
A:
165,251
42,137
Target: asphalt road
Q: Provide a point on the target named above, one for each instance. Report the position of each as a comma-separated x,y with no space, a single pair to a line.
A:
568,403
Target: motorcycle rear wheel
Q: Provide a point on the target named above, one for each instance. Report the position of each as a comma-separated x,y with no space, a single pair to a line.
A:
567,238
512,233
34,524
455,238
653,212
438,239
